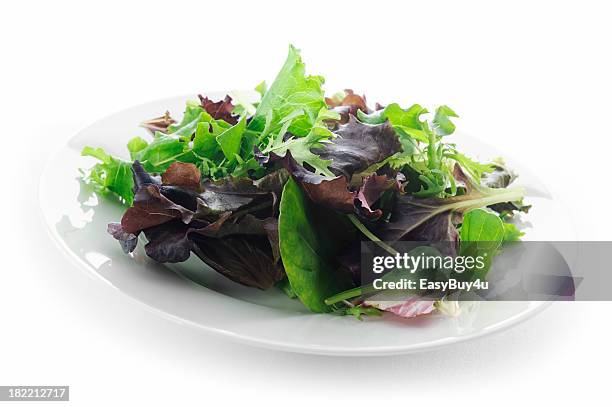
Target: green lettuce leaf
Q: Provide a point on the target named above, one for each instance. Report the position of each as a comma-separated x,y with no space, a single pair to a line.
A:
512,233
193,114
161,152
291,91
205,144
442,124
301,147
111,175
135,145
261,88
231,139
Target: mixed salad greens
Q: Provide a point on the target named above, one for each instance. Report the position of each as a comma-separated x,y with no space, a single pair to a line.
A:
279,194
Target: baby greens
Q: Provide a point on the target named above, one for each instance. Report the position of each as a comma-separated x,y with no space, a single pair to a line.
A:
280,192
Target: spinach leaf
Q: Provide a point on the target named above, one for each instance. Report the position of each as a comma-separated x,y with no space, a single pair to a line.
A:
482,234
310,238
480,225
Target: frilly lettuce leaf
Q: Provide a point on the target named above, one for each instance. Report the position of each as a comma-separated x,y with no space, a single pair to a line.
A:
110,175
301,147
442,123
291,91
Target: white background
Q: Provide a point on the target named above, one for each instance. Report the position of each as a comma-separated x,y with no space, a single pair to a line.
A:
530,77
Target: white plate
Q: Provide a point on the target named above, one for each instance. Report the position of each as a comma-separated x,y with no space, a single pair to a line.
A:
77,220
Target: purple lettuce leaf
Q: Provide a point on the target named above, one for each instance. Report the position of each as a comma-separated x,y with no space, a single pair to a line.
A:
230,225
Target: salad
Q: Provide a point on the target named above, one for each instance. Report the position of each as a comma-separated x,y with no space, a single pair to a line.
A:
278,194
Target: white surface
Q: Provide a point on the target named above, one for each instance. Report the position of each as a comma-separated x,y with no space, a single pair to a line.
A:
77,219
533,78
